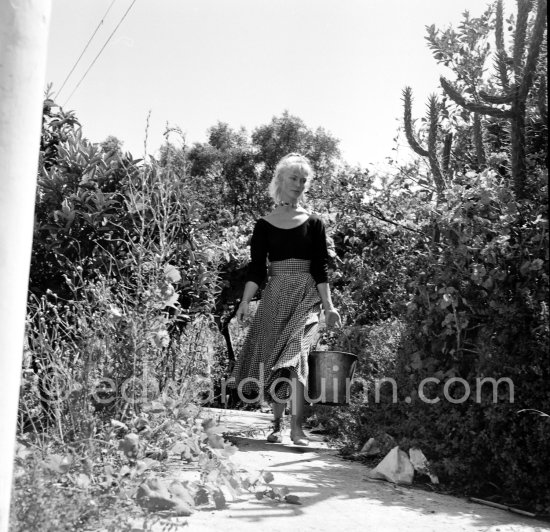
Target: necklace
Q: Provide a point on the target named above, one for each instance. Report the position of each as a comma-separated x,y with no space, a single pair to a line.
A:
287,204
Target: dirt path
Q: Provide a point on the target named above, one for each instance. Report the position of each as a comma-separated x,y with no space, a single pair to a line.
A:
335,495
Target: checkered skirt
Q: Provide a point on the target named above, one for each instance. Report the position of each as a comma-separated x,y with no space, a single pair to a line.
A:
281,334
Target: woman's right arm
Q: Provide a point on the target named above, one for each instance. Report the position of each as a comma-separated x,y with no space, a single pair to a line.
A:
256,268
250,289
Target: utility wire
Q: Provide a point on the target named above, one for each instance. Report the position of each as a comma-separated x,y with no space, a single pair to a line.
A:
100,51
85,47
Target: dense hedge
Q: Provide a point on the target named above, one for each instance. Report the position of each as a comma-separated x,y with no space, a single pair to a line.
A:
442,271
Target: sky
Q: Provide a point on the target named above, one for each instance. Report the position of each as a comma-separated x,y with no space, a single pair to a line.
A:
336,64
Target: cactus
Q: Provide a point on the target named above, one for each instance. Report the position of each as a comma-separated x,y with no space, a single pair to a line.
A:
478,140
514,94
439,171
502,57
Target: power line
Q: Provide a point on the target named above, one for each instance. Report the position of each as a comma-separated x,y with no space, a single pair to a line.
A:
100,51
85,47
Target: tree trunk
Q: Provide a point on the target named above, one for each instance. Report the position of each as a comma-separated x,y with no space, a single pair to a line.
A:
23,42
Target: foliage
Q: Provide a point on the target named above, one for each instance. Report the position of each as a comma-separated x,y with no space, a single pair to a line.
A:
126,271
239,167
138,265
470,293
523,65
124,468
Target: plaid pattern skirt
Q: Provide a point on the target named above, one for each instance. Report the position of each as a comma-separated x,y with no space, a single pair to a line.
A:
281,334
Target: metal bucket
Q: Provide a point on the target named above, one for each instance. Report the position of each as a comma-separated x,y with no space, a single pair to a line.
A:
330,375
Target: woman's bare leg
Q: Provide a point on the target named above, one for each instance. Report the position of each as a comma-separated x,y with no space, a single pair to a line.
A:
276,435
278,410
297,411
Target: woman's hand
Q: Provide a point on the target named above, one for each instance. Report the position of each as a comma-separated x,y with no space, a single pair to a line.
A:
332,318
242,311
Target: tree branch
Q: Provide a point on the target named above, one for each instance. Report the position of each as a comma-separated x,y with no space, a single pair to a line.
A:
496,99
534,50
524,6
502,57
472,106
407,99
384,219
433,115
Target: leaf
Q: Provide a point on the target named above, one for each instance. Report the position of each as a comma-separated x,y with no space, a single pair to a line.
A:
154,495
416,360
22,451
187,454
215,441
201,496
172,300
229,449
83,481
445,301
541,414
119,424
58,463
254,478
156,454
268,477
281,492
130,445
525,267
154,407
292,499
172,273
233,483
108,472
178,447
213,476
219,499
208,425
144,465
161,339
181,495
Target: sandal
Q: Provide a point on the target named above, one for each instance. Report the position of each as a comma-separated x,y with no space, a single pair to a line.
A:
300,440
276,435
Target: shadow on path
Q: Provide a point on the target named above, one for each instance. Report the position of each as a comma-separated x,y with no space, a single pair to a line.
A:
336,494
332,487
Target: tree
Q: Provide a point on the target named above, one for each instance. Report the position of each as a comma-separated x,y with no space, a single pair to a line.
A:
289,133
516,75
112,145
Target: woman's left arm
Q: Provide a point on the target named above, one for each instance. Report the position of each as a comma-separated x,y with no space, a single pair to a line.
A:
319,270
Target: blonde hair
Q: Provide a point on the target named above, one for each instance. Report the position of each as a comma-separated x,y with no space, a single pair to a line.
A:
290,162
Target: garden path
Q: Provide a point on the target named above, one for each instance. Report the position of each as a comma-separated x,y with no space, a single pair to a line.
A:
336,495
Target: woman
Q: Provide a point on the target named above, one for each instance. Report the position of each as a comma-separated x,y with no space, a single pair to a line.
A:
274,356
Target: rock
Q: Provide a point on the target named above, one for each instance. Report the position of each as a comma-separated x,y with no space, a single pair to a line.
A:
154,496
380,444
371,448
394,467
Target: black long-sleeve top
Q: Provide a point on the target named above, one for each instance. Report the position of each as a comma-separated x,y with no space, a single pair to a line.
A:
306,241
